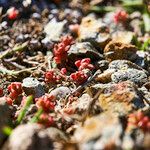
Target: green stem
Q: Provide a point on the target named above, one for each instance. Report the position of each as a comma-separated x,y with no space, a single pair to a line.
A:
29,101
37,115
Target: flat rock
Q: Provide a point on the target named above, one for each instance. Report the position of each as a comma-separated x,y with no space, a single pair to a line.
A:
84,49
117,50
121,98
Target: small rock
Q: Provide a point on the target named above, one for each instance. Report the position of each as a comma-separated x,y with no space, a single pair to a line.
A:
97,33
54,29
117,50
137,76
123,97
105,77
32,86
30,140
60,92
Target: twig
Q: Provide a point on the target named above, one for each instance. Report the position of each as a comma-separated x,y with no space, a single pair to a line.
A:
15,49
14,73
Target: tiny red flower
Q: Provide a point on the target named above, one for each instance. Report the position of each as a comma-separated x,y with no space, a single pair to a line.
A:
120,16
15,89
50,76
79,77
84,64
12,13
46,102
60,49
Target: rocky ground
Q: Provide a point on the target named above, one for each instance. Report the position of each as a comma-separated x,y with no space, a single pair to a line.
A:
74,75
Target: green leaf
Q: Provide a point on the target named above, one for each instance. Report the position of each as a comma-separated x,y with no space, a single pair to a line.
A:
24,110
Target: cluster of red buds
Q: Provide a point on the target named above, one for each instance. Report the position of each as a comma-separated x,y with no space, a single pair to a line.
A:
54,76
60,49
139,120
46,102
84,64
79,77
12,13
15,89
1,92
46,120
120,16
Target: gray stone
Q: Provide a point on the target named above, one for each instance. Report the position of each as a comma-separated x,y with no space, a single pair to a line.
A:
137,76
32,86
60,92
124,64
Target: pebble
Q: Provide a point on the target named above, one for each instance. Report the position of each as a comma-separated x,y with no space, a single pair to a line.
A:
32,86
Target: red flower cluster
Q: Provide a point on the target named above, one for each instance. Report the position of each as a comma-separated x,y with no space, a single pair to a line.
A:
46,119
60,49
1,92
15,89
46,102
12,13
120,16
139,120
79,77
50,76
84,64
